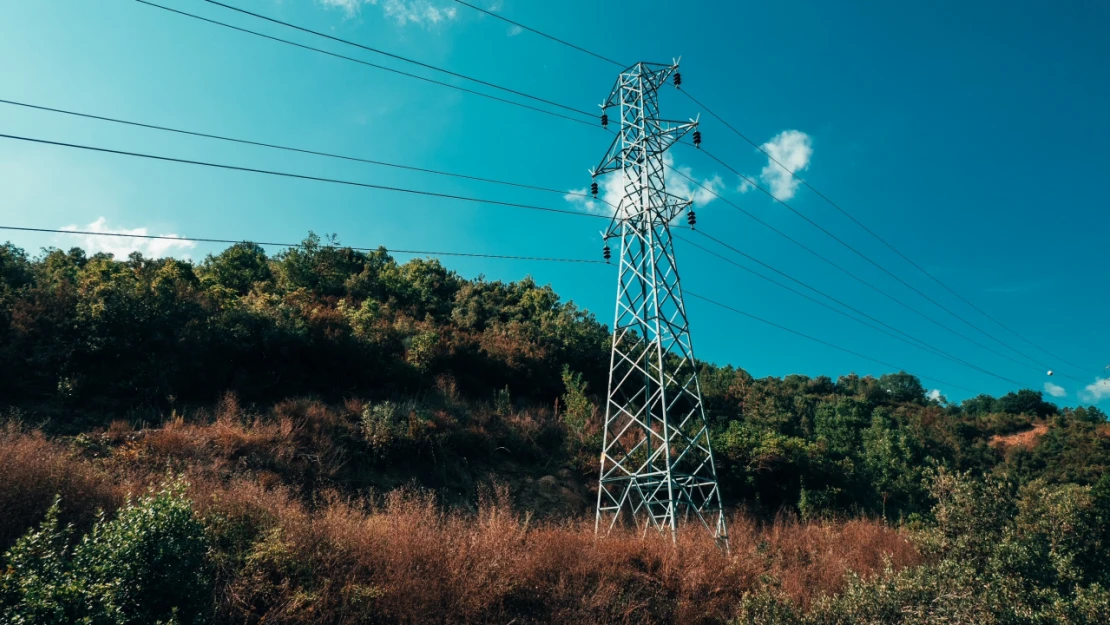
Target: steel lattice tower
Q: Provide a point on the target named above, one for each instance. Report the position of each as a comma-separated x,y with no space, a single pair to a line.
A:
656,462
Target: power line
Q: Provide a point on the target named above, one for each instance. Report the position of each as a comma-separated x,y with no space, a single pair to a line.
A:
875,235
292,149
848,272
396,56
268,172
867,258
369,64
270,244
817,340
812,188
893,332
542,34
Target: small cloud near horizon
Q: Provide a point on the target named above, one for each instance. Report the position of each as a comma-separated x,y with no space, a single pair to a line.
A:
1096,392
1055,390
121,247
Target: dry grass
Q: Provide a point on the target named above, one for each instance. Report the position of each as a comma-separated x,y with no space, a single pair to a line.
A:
33,471
1026,439
408,561
287,556
297,439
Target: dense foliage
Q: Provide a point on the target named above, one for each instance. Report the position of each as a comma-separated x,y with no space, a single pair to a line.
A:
417,374
147,565
82,336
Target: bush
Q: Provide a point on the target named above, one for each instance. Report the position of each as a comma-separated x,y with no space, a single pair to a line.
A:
147,565
999,555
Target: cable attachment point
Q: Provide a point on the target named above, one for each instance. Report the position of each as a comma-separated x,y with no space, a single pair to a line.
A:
691,218
678,80
593,188
697,139
604,120
606,253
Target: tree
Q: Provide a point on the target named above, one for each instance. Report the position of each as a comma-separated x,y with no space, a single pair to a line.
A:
1026,402
902,387
238,268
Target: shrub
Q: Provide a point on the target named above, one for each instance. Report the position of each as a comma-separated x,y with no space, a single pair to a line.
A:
147,565
577,406
38,586
380,426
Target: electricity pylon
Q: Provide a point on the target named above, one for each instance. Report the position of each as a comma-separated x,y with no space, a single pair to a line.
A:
656,461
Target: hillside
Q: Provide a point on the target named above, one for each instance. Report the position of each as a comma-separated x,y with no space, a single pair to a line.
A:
344,438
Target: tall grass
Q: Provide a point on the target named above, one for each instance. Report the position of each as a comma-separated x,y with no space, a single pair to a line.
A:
410,561
286,553
33,471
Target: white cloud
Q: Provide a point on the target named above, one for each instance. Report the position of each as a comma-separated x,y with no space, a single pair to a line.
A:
515,30
120,247
682,187
1096,392
745,185
611,189
1055,390
350,7
934,395
793,149
404,12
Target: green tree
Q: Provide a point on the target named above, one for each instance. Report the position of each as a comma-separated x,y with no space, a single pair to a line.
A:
238,268
902,387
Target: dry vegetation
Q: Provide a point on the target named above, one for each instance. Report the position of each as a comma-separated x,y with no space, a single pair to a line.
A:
1026,439
288,554
33,471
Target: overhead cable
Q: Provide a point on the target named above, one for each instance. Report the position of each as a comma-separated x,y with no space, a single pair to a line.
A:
291,245
816,340
369,64
275,146
268,172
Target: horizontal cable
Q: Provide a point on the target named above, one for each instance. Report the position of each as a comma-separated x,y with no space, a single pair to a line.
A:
892,332
542,34
398,57
817,340
271,244
871,261
275,146
875,235
853,275
268,172
368,64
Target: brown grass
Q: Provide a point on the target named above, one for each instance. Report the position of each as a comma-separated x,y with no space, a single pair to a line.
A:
33,471
1026,439
286,555
408,561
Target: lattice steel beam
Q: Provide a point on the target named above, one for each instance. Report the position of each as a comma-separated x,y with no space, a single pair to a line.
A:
657,466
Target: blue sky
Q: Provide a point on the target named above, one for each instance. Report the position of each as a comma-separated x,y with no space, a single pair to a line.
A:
970,135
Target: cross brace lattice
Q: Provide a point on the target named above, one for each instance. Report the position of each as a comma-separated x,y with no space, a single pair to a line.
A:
657,465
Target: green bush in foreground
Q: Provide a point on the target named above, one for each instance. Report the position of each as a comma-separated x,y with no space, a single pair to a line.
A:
147,565
998,555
